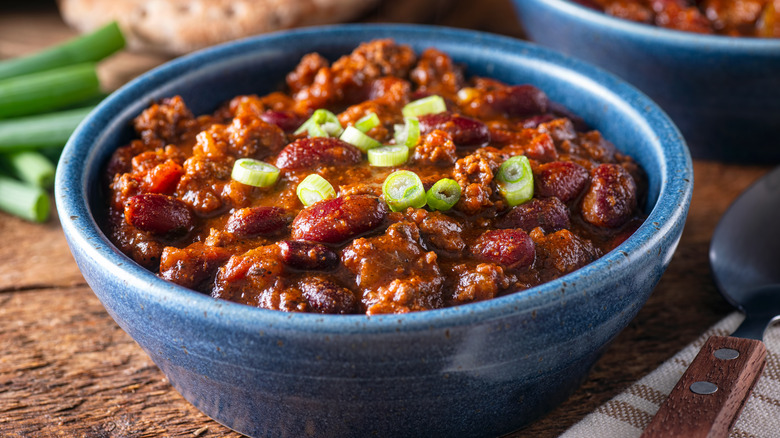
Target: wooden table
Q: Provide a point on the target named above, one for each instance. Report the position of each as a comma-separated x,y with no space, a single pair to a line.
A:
66,369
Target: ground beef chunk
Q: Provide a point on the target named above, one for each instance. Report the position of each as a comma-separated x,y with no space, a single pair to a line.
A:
563,251
435,149
479,282
435,73
474,173
257,275
348,80
438,230
393,271
170,121
194,266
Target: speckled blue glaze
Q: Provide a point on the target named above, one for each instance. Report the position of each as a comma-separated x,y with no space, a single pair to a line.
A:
722,92
481,369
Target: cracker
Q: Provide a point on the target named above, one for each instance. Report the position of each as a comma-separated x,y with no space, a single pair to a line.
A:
180,26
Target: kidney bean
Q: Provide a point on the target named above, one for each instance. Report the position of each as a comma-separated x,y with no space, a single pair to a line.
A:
324,296
158,214
308,255
312,151
520,101
512,248
550,214
465,131
611,198
287,120
564,180
338,219
256,221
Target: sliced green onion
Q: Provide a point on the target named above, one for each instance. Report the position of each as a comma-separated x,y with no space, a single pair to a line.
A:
31,167
34,132
314,188
90,47
427,105
360,140
515,180
443,195
403,189
23,200
322,123
409,133
366,123
48,90
388,156
255,173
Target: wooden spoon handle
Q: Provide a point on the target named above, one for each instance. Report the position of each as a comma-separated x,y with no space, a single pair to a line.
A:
728,366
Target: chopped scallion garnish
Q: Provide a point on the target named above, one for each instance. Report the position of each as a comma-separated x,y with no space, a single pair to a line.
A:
409,133
322,123
255,173
368,122
515,180
443,195
314,188
403,189
427,105
358,139
388,156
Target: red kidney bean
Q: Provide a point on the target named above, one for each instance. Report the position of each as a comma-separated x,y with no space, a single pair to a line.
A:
287,120
465,131
550,214
308,255
520,101
564,180
324,296
338,219
511,248
256,221
611,199
312,151
158,214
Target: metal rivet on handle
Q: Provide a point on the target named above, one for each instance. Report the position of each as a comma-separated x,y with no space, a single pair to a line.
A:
726,354
704,388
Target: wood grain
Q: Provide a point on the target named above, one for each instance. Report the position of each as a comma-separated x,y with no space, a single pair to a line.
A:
687,414
67,370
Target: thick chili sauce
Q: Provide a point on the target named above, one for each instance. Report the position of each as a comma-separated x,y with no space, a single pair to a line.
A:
749,18
174,208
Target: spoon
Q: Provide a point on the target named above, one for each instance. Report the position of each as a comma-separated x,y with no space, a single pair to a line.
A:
744,258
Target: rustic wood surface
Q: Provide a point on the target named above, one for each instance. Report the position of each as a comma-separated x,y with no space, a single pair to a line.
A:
67,370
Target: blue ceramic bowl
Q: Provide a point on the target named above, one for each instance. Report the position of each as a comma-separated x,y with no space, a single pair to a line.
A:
481,369
722,92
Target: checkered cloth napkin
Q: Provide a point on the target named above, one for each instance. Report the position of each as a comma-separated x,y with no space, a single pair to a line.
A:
626,415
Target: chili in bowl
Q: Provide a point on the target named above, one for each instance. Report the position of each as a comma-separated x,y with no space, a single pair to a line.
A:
721,91
482,367
428,189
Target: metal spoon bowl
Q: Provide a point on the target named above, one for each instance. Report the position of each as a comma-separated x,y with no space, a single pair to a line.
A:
745,255
708,398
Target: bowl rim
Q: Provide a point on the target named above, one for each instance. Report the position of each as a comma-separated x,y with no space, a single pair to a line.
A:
672,37
83,232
